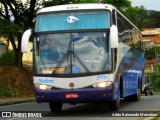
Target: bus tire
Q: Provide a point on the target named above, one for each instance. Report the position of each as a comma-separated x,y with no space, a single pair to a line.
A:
55,107
114,105
127,99
136,97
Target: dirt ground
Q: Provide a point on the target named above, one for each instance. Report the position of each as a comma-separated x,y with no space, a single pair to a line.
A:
17,80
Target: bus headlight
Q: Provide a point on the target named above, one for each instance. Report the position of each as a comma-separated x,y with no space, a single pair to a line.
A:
43,87
102,84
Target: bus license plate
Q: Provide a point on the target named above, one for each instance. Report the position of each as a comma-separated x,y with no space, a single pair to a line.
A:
72,95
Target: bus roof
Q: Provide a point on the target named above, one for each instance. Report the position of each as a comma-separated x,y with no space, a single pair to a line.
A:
76,7
86,6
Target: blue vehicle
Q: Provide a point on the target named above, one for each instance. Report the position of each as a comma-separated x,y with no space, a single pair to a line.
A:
85,53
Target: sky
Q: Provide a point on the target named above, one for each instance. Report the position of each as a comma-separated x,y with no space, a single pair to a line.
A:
148,4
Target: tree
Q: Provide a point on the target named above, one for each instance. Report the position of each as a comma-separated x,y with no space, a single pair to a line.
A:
150,53
119,4
15,17
155,15
136,15
141,15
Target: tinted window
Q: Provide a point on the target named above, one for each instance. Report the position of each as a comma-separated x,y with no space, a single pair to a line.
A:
73,21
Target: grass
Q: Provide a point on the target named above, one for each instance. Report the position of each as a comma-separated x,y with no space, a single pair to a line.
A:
157,118
16,82
5,91
155,78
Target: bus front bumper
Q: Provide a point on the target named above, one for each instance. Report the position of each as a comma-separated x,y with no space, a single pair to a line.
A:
76,96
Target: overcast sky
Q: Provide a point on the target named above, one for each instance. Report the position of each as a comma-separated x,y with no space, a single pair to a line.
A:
148,4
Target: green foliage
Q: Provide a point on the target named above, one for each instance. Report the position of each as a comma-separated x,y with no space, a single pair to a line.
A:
156,118
136,15
8,27
150,53
15,17
143,18
155,17
5,92
7,59
119,4
147,23
155,78
152,19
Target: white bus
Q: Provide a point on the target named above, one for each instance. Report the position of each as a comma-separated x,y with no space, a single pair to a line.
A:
85,53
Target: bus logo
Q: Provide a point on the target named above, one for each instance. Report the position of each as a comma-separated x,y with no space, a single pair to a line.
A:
75,69
45,81
71,19
101,77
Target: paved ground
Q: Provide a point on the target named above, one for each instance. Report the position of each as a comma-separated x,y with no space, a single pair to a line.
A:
9,101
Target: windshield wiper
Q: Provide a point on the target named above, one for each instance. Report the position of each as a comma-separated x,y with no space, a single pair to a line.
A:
79,60
70,52
60,63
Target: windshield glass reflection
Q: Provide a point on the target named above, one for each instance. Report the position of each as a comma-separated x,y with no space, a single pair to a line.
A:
73,53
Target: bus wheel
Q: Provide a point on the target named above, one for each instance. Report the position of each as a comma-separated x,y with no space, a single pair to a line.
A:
127,99
136,97
114,105
55,107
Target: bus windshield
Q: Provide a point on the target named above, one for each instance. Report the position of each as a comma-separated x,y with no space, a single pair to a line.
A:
72,53
72,21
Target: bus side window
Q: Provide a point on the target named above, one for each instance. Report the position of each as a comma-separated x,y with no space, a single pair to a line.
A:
114,17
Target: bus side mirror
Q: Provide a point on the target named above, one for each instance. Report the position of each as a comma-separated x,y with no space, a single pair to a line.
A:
25,39
114,36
